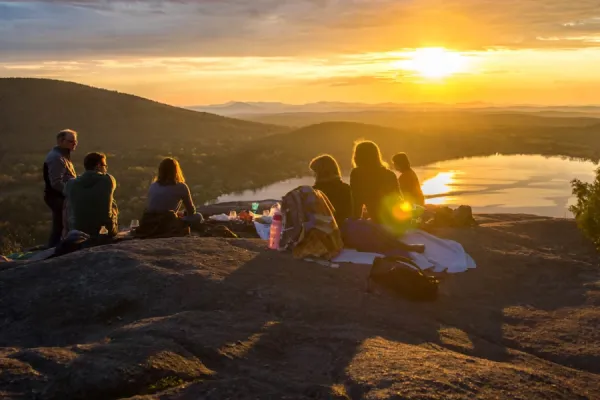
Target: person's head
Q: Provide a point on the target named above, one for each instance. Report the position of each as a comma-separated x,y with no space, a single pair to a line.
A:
67,139
401,162
169,172
325,168
95,162
367,155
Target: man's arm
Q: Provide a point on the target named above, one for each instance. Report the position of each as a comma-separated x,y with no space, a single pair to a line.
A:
187,200
57,166
109,205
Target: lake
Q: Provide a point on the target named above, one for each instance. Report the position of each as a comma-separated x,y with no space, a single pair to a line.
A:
496,184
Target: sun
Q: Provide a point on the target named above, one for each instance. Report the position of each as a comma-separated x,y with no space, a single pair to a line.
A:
435,62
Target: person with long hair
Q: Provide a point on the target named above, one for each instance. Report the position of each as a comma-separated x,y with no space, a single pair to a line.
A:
373,184
408,180
328,179
169,191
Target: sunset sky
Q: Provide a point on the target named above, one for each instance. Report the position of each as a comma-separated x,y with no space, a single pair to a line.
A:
186,52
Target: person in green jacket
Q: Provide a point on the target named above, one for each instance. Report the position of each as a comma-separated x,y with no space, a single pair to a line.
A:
90,198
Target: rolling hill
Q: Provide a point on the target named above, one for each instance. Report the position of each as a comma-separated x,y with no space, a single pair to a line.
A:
36,109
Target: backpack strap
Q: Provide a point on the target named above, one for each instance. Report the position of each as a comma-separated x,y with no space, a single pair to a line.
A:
402,260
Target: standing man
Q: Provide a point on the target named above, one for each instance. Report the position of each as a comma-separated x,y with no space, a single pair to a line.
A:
58,169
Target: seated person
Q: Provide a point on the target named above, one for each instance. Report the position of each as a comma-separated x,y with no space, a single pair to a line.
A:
169,192
408,180
373,185
90,198
329,181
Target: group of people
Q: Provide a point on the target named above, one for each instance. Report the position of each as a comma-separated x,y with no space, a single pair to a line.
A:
373,190
86,202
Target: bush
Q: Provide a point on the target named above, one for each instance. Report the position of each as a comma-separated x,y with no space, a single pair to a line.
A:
9,244
587,209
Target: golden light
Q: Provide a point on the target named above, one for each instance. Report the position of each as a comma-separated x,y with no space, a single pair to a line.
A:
402,211
435,62
439,184
406,206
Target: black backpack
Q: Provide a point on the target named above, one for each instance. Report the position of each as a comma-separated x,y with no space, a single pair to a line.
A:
463,217
403,277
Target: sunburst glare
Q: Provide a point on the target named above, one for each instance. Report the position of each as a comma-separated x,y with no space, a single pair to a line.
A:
434,62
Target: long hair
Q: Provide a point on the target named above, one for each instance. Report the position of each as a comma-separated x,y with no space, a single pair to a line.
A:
325,168
169,172
367,155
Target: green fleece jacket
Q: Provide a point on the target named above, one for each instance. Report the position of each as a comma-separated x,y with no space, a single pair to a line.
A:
90,203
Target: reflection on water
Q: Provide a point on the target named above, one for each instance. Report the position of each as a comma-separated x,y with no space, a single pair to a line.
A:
496,184
439,184
440,200
442,183
507,184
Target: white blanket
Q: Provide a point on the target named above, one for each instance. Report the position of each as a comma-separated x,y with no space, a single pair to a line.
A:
440,254
445,255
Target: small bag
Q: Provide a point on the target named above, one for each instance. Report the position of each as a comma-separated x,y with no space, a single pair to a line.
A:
463,217
161,225
403,277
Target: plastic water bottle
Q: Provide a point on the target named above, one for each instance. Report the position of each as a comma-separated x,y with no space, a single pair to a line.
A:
275,232
275,209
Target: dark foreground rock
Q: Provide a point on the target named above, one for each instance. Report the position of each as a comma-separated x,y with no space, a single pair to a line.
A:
214,319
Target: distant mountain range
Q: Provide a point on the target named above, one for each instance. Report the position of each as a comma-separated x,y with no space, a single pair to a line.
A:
239,108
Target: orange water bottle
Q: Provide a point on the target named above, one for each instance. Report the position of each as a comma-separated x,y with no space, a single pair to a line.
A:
275,232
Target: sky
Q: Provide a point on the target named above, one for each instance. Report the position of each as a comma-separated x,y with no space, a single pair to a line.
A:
186,52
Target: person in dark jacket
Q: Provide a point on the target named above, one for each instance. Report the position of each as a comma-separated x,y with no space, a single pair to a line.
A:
90,198
58,169
328,180
408,180
373,184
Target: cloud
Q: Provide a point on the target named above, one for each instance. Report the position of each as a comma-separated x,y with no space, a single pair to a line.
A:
65,29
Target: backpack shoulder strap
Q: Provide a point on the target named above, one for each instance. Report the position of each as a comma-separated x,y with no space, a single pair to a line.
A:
404,260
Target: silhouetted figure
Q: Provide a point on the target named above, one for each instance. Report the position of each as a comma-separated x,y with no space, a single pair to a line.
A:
372,183
90,198
58,169
408,180
169,192
328,179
